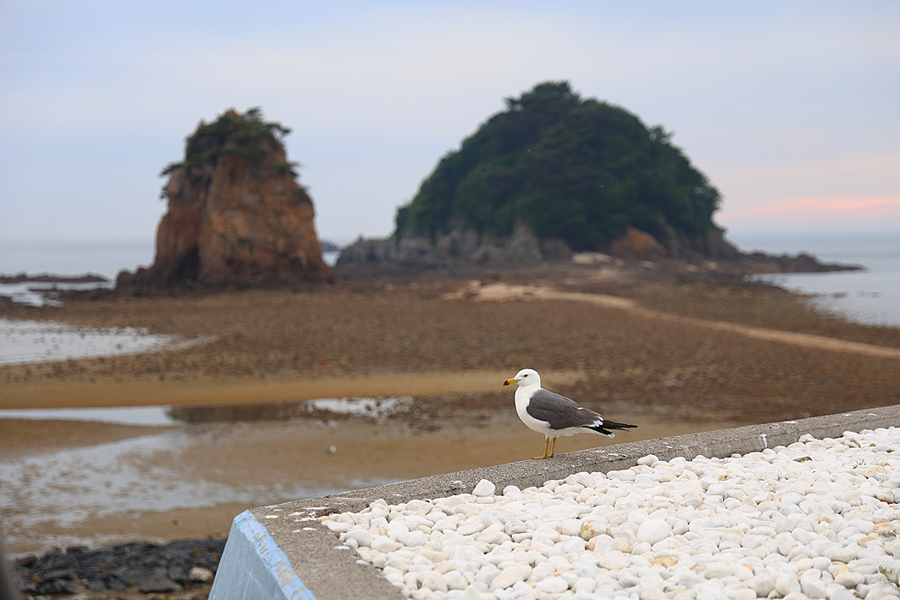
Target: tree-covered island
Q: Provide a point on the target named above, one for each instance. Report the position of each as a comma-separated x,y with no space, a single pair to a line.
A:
553,174
572,169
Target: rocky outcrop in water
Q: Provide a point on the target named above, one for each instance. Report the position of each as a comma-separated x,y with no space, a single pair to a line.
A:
236,213
48,278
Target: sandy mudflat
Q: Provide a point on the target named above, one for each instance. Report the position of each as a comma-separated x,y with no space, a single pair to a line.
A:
217,470
665,340
672,352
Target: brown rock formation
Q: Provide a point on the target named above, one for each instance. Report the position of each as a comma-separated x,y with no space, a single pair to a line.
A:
236,214
636,245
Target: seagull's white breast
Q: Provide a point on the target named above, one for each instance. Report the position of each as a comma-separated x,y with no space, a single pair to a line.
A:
523,394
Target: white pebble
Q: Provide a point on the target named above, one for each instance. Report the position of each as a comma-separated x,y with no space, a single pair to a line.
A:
843,554
487,575
812,587
763,584
484,488
412,538
628,579
591,528
653,593
506,579
850,580
720,522
470,528
718,570
455,580
553,585
787,583
385,544
362,537
883,591
653,530
614,560
338,526
843,594
435,582
603,544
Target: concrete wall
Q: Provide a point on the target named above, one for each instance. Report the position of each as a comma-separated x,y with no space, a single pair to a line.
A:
283,552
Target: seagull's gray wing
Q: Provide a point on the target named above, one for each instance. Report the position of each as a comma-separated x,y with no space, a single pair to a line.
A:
560,412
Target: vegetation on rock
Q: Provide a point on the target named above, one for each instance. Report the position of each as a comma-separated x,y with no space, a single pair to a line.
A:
577,170
247,136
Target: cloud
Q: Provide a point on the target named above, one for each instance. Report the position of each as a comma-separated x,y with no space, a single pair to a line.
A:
820,209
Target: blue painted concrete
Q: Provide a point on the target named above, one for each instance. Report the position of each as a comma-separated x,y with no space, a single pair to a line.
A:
253,566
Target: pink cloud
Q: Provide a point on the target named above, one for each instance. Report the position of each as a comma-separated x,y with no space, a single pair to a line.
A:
821,208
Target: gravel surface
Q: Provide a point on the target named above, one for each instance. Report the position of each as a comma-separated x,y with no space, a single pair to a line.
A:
816,519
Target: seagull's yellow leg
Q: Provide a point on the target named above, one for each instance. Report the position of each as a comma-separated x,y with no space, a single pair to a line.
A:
553,448
546,449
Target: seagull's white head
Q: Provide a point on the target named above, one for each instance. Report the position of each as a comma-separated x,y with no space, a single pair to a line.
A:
525,377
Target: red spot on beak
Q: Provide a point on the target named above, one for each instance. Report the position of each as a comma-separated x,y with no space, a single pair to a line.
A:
505,383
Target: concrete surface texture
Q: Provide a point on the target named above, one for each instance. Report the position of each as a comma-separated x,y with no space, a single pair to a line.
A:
283,550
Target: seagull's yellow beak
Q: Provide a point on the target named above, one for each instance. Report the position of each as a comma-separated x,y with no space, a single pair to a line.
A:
510,381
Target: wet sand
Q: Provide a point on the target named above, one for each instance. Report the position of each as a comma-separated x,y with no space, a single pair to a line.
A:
216,391
671,352
189,481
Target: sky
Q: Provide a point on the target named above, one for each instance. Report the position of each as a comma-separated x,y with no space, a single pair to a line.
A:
790,108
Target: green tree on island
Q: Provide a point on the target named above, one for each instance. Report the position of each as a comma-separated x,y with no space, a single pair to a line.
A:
577,170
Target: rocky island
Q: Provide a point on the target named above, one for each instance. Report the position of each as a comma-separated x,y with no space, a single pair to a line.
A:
554,175
236,213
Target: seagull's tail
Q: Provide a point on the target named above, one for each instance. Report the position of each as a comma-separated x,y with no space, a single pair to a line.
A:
605,427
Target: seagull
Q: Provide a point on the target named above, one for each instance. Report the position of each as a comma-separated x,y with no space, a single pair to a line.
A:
555,415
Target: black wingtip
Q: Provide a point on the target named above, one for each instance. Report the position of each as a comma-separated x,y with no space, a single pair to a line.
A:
605,427
614,425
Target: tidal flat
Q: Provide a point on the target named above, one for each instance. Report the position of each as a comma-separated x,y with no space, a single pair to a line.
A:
673,352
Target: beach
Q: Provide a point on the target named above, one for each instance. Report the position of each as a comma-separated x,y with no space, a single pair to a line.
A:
670,350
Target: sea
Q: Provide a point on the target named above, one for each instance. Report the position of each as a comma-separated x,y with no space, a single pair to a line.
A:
870,296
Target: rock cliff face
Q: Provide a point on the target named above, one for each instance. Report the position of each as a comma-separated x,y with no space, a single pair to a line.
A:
237,216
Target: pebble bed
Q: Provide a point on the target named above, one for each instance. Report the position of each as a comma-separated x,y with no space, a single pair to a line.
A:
816,519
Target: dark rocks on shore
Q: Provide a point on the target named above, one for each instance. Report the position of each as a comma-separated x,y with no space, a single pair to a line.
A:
328,246
460,248
463,248
140,566
47,278
759,262
46,288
